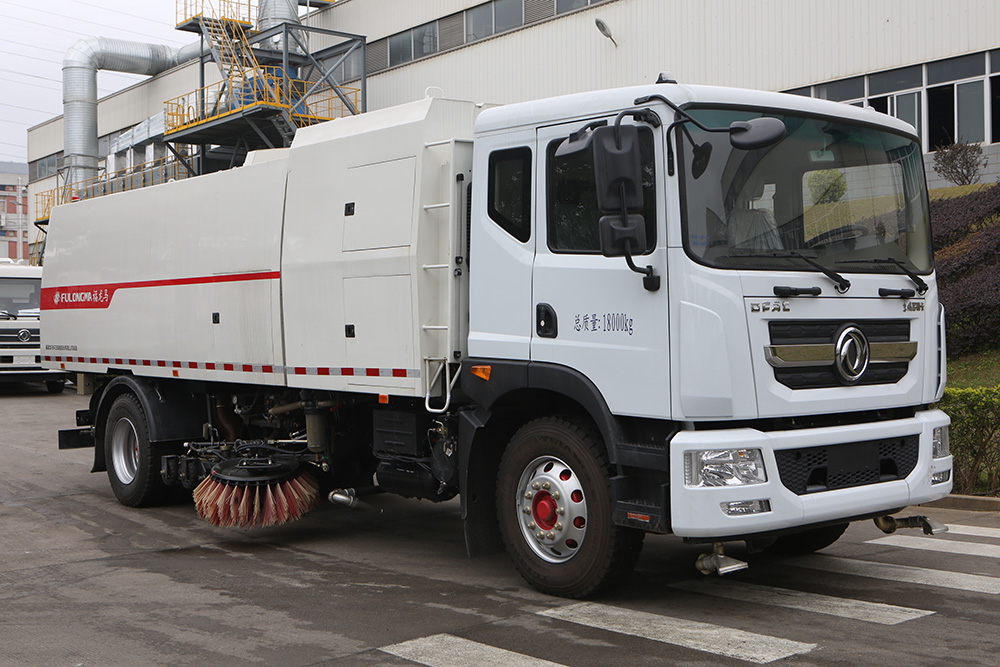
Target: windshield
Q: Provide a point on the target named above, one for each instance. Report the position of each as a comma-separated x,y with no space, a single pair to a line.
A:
840,194
19,296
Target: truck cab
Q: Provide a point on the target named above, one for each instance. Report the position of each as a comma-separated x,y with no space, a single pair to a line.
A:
20,357
777,376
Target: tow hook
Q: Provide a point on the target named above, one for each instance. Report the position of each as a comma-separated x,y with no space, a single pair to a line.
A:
888,524
718,562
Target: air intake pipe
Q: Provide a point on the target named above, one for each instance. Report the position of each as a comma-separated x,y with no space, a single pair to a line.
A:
88,55
80,66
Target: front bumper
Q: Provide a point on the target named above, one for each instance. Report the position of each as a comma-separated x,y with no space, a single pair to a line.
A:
698,512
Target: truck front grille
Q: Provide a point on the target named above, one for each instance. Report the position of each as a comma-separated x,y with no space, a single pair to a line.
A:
815,469
824,332
9,339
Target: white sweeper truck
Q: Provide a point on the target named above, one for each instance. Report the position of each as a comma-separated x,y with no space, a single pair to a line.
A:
678,309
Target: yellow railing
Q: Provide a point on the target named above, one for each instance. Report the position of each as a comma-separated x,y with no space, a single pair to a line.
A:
265,87
36,249
242,11
131,178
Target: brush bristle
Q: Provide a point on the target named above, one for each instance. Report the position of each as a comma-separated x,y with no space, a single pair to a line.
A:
255,506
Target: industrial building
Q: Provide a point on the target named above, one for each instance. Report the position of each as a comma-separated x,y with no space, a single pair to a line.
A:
271,66
14,211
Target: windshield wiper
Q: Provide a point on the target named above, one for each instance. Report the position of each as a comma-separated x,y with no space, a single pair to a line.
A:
917,280
843,284
4,314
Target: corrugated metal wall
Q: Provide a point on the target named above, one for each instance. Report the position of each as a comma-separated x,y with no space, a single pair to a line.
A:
767,44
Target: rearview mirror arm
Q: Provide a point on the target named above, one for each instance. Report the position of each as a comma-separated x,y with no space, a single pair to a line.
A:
685,117
650,280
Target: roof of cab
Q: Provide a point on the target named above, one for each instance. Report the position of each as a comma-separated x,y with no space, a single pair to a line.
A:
580,106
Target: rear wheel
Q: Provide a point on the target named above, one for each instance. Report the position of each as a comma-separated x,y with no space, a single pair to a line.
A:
55,386
554,509
133,462
808,541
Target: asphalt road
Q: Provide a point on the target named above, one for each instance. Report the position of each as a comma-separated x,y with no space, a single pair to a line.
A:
86,581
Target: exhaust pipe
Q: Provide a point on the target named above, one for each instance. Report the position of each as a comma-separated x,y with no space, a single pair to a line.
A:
349,498
718,562
888,524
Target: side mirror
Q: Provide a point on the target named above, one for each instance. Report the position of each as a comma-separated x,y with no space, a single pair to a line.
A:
756,133
622,237
617,169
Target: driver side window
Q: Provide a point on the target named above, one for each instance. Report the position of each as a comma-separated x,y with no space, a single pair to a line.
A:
573,214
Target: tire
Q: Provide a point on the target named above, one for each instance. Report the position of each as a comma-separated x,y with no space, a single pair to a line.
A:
55,386
133,462
807,541
554,481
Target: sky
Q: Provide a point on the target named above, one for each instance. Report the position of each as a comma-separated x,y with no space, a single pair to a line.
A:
34,37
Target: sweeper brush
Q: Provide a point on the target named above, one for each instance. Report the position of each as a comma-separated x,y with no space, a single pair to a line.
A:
254,493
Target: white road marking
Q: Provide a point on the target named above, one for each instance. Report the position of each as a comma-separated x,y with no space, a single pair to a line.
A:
859,610
739,644
973,531
975,583
449,651
940,545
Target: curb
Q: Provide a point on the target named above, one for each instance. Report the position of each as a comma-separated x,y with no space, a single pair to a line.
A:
970,503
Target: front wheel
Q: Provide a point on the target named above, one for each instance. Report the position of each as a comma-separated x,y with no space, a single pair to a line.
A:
554,509
132,461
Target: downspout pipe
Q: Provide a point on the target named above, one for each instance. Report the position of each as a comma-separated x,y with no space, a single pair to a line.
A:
80,66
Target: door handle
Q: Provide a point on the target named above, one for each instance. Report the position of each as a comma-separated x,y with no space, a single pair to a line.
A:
546,324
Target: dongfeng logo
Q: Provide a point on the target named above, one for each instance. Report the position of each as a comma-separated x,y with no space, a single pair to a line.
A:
24,335
851,354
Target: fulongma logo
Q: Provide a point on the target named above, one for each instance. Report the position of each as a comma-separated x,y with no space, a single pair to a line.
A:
24,335
851,354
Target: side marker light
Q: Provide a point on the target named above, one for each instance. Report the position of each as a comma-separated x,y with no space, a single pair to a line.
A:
482,372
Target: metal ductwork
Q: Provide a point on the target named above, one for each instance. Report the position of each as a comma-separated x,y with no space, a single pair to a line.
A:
275,12
80,66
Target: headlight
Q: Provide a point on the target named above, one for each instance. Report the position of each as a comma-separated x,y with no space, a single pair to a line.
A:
939,443
724,467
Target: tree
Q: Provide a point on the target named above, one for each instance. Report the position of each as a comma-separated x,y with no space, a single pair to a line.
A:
827,186
961,163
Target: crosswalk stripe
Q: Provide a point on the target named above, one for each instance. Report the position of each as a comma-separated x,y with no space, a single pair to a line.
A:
907,574
940,545
860,610
449,651
973,531
739,644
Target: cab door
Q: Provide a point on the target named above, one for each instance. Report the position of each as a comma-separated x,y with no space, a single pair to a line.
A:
592,313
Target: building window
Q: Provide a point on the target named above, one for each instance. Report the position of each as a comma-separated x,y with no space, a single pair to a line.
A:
493,17
45,167
479,22
508,14
569,5
351,69
416,43
400,48
425,39
841,91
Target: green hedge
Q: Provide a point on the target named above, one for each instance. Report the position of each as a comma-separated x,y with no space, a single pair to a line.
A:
975,438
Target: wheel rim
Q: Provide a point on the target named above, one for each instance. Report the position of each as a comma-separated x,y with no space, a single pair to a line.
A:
552,509
125,450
